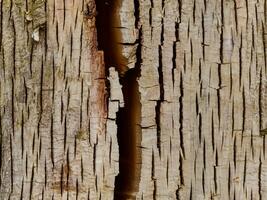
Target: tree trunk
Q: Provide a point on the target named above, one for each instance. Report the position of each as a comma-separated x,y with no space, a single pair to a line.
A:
133,99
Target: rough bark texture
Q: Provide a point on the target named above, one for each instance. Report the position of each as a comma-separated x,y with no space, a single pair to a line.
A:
203,96
186,111
54,143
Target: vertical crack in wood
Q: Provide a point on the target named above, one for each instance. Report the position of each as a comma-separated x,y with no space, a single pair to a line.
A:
128,118
158,105
109,34
129,132
260,178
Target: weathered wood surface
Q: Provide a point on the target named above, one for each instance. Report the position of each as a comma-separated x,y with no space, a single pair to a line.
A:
203,88
54,143
201,130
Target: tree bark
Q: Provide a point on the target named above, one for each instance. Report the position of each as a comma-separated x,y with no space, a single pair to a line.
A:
133,99
54,143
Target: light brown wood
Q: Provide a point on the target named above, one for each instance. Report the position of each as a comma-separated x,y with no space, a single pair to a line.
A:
54,143
133,99
203,91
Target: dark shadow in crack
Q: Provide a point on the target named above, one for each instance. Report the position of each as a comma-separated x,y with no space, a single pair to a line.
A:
129,117
109,33
129,139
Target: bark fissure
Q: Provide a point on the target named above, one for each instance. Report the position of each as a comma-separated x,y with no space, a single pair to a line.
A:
200,101
128,117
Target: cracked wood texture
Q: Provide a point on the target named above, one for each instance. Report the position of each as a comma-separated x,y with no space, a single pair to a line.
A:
201,130
54,143
203,96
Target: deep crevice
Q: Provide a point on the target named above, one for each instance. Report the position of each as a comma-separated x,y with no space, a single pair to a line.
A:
128,118
109,35
129,132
